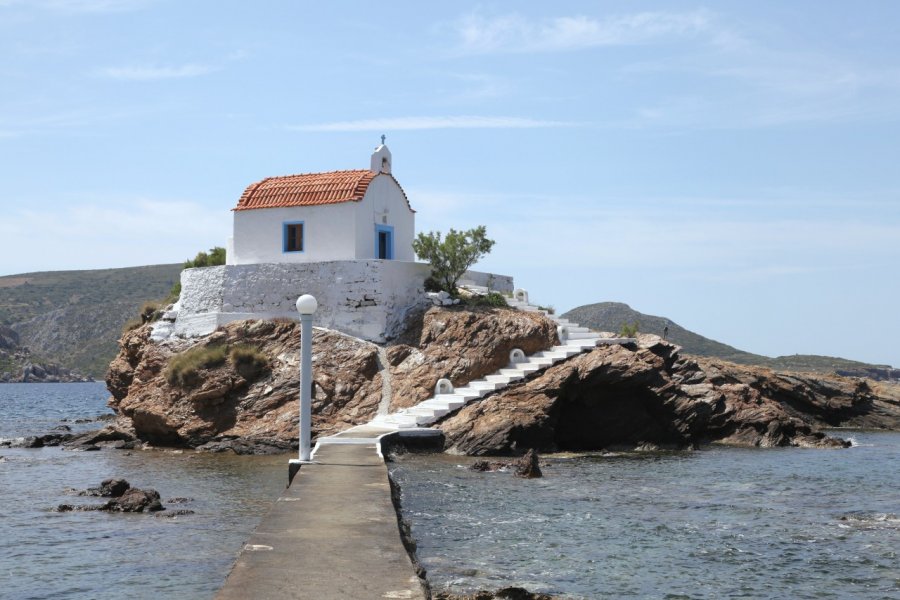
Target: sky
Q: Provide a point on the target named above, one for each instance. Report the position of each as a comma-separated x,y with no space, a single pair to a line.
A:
734,166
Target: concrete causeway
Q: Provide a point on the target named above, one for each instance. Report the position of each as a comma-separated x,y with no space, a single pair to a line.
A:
332,534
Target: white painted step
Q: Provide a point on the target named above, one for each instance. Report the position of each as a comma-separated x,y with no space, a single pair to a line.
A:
504,379
449,401
394,422
524,367
539,361
518,373
567,350
428,412
582,345
484,384
471,393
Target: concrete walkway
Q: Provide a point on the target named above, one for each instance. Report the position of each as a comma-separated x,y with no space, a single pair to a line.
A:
332,535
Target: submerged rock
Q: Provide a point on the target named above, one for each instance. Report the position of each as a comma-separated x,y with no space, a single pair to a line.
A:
509,593
528,466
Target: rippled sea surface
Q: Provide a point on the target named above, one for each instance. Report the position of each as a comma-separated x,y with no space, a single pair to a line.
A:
718,523
95,555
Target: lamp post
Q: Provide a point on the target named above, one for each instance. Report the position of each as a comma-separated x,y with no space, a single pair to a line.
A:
306,306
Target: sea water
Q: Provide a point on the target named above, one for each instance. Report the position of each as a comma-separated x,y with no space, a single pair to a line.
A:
716,523
98,555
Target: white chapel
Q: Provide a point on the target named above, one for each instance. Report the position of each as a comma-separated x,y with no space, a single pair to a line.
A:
315,217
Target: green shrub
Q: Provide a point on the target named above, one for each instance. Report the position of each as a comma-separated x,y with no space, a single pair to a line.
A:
432,284
215,257
629,331
183,368
150,311
248,361
493,299
174,293
451,256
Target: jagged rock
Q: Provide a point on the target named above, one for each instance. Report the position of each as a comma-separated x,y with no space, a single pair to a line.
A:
488,466
112,436
109,488
650,396
225,412
646,395
461,344
250,446
135,500
528,467
124,498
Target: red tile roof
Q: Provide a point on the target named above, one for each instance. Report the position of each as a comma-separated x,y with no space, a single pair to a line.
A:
309,189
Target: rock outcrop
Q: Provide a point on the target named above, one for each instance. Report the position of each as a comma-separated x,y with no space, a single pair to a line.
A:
649,396
646,396
461,345
227,411
18,365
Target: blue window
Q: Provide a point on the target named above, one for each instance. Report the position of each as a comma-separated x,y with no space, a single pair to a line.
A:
384,242
292,237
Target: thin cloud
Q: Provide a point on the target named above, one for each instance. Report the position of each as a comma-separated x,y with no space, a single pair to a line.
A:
104,232
515,33
80,6
419,123
154,73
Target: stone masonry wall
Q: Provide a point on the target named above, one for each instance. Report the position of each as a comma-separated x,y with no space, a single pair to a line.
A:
364,298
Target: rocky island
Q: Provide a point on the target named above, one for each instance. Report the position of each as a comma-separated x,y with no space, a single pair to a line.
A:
640,396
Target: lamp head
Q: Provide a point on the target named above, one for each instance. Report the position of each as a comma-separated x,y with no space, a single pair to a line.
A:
306,304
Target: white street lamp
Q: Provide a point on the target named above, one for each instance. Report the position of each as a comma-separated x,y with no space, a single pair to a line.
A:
306,306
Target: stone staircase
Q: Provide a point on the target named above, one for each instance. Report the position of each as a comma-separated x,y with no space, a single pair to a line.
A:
574,340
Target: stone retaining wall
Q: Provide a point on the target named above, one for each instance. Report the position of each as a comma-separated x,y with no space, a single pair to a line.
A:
370,299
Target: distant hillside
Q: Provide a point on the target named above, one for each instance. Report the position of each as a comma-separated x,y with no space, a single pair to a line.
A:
74,318
610,316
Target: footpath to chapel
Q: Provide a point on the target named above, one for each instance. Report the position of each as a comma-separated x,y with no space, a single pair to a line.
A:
332,535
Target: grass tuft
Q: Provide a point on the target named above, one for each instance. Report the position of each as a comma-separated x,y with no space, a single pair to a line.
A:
248,361
183,369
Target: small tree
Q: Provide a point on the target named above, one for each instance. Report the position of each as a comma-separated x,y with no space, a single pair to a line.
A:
215,257
629,331
453,255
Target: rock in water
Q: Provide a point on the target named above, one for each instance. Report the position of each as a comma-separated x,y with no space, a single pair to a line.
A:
111,488
135,500
508,593
124,498
528,466
648,395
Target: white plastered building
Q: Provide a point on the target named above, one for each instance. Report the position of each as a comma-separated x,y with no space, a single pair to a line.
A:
316,217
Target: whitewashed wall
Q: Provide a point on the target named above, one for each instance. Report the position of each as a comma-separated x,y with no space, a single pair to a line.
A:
328,232
384,204
370,299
